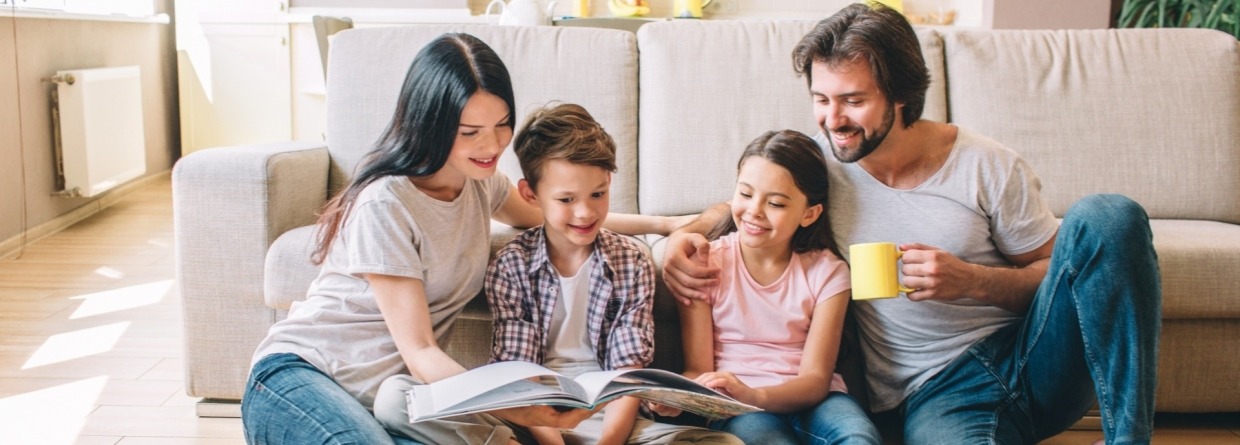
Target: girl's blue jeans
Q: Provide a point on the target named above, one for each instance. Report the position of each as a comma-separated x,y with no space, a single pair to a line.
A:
1092,329
289,401
837,420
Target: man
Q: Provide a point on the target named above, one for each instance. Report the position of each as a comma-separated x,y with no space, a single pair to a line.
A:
1012,312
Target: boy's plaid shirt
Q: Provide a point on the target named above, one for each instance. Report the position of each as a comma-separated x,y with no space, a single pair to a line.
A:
522,288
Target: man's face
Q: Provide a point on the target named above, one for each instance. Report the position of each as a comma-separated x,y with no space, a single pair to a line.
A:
852,112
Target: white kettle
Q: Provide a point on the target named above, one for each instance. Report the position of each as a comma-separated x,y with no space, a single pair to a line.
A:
522,12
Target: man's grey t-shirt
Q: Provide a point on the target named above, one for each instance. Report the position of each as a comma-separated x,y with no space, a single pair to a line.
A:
983,203
393,229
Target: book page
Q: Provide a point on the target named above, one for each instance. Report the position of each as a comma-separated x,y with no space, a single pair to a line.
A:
452,391
664,387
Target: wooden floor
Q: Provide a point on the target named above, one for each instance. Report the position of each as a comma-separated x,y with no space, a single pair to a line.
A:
91,343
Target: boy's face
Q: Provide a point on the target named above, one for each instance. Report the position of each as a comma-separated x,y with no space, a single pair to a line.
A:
574,200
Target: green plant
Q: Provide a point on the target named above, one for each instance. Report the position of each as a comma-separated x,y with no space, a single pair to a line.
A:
1223,15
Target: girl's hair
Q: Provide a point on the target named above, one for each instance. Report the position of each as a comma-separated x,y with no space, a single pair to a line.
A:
442,78
564,131
801,156
878,35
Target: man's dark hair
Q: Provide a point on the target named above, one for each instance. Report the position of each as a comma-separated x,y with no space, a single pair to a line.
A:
879,35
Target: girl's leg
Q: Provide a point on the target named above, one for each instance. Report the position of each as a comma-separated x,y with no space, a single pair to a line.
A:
837,420
289,401
759,428
392,412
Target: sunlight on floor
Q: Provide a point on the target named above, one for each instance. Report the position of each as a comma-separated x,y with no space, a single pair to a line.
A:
121,299
77,344
50,416
110,272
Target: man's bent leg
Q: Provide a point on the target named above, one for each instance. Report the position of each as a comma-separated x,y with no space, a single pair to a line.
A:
1097,313
289,401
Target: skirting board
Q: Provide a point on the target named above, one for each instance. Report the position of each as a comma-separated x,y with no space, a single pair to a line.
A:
218,408
11,246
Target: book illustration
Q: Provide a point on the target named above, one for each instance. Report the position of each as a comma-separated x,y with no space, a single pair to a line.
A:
510,384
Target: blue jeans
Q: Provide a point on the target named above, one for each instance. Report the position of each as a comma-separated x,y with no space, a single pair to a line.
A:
289,401
1092,328
837,420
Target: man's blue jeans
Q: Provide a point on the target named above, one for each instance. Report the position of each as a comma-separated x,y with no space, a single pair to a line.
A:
837,420
289,401
1096,314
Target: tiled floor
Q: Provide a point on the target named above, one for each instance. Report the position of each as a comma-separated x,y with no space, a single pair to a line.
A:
90,342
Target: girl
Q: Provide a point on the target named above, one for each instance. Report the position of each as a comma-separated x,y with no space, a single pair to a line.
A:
770,332
402,249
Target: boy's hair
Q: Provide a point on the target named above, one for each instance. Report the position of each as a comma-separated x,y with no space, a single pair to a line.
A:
878,35
803,158
564,131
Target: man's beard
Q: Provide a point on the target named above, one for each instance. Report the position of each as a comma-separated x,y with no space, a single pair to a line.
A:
868,144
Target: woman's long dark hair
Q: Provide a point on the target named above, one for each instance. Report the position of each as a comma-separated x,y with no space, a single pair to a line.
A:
443,76
803,158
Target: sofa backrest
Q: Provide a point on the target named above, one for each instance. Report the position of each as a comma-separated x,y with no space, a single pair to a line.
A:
596,68
708,88
1152,114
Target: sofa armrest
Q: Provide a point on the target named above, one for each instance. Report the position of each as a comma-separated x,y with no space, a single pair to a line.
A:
229,204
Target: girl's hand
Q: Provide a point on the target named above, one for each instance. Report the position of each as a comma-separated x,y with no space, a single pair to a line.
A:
727,383
661,409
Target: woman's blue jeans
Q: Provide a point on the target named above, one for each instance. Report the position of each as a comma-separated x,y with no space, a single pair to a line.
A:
289,401
1092,328
837,420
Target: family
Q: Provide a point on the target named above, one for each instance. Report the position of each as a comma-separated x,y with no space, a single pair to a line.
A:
1016,324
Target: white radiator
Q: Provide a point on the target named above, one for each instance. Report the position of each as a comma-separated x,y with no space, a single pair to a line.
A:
100,140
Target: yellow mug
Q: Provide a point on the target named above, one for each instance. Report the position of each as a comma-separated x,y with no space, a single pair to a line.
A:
688,9
874,271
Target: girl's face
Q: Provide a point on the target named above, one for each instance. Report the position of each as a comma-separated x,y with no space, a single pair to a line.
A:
481,137
768,207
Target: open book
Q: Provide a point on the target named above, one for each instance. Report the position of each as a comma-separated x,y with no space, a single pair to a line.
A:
508,384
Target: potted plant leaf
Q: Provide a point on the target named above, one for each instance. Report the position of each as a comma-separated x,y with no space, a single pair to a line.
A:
1223,15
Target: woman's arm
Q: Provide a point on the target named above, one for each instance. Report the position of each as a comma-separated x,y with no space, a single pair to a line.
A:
402,301
517,212
822,346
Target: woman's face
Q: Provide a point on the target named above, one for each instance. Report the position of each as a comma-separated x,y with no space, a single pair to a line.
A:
483,134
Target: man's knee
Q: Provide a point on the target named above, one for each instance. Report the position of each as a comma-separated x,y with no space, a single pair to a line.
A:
1115,213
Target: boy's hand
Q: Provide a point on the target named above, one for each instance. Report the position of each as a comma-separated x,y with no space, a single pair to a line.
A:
686,270
544,415
661,409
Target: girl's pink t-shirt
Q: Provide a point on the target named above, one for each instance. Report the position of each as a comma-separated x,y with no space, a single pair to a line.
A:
760,331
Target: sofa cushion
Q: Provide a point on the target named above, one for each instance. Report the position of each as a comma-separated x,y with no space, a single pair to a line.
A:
708,88
596,68
1198,261
1151,114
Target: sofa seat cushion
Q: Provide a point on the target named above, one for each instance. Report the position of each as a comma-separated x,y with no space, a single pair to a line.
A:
1198,262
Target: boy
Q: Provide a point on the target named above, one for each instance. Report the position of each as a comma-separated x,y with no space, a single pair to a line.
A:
569,295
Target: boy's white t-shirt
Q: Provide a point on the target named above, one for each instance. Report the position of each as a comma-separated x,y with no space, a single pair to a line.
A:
392,229
569,351
760,330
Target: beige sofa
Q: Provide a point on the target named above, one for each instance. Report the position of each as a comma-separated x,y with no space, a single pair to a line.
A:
1150,114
